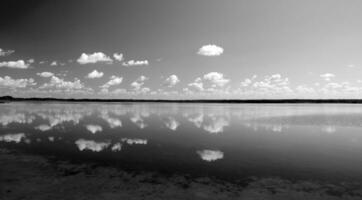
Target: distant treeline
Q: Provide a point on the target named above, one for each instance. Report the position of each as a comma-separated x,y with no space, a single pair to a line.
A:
10,98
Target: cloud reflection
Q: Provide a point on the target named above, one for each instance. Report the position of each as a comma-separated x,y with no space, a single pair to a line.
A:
91,145
12,137
210,155
94,128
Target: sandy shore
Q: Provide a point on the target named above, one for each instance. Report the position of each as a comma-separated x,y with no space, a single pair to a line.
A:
34,177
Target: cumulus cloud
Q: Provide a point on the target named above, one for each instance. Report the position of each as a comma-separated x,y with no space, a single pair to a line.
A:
327,76
93,58
135,63
118,56
45,74
6,52
95,74
213,79
210,155
94,128
197,84
115,80
134,141
138,83
210,50
171,81
20,64
59,83
9,82
217,79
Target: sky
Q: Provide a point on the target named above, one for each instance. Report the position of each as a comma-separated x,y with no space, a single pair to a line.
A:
172,49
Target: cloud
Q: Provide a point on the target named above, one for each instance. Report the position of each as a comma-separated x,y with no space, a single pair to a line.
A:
93,58
118,56
210,50
94,128
134,141
95,74
6,52
20,64
172,81
115,80
217,79
45,74
58,83
135,63
213,79
54,63
197,84
210,155
138,83
327,76
7,81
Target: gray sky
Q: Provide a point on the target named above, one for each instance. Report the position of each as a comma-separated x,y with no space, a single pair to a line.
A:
181,49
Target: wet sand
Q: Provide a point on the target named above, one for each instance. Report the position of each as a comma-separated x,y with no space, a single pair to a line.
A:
34,177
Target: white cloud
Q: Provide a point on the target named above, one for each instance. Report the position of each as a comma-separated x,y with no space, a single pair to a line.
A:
115,80
134,141
95,74
327,76
217,79
93,58
172,80
20,64
45,74
54,63
213,79
7,81
94,128
58,83
6,52
138,83
135,63
210,50
210,155
118,56
197,84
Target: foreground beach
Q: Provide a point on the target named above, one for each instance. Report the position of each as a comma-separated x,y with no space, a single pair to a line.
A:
34,177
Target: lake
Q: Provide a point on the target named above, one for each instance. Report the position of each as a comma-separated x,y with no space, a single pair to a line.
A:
229,142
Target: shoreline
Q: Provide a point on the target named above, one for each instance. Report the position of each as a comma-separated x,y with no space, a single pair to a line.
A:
5,99
37,177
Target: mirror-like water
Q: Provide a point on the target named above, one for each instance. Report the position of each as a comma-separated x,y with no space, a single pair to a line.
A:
230,141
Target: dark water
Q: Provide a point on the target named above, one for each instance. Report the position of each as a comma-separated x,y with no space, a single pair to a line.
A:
230,141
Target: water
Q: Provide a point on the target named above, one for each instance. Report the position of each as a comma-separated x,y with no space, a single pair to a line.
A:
227,141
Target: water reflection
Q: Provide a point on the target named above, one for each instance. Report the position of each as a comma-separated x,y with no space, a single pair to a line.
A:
252,136
210,155
84,144
12,137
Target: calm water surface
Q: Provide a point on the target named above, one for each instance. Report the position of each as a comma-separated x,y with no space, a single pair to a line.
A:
229,141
